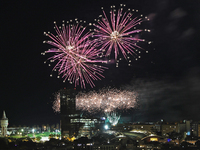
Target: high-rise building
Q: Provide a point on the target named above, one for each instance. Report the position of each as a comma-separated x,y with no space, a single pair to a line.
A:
194,128
68,112
187,125
4,124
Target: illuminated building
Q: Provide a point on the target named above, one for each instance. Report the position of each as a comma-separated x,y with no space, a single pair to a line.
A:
190,128
187,123
88,125
151,138
181,128
167,128
4,124
194,128
143,127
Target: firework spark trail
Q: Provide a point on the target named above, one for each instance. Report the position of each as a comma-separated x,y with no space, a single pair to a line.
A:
113,117
106,100
56,103
76,55
118,33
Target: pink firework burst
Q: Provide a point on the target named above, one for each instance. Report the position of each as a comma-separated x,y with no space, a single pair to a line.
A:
106,100
75,54
118,33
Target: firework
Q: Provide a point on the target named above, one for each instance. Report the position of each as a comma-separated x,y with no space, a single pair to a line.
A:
113,118
106,100
118,33
75,54
56,103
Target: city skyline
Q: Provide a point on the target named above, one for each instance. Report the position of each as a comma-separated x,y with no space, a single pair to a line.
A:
167,78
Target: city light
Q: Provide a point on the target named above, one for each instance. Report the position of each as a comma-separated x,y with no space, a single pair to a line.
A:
106,127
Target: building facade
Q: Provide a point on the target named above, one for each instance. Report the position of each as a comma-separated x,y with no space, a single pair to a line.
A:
168,128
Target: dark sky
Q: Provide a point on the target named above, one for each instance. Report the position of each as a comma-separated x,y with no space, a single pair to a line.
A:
167,78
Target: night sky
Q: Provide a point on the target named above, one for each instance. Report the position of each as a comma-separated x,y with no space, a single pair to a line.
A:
167,78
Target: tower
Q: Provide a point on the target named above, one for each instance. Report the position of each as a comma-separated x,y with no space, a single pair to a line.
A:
4,124
67,112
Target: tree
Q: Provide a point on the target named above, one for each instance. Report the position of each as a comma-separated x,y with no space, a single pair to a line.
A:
38,138
3,143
